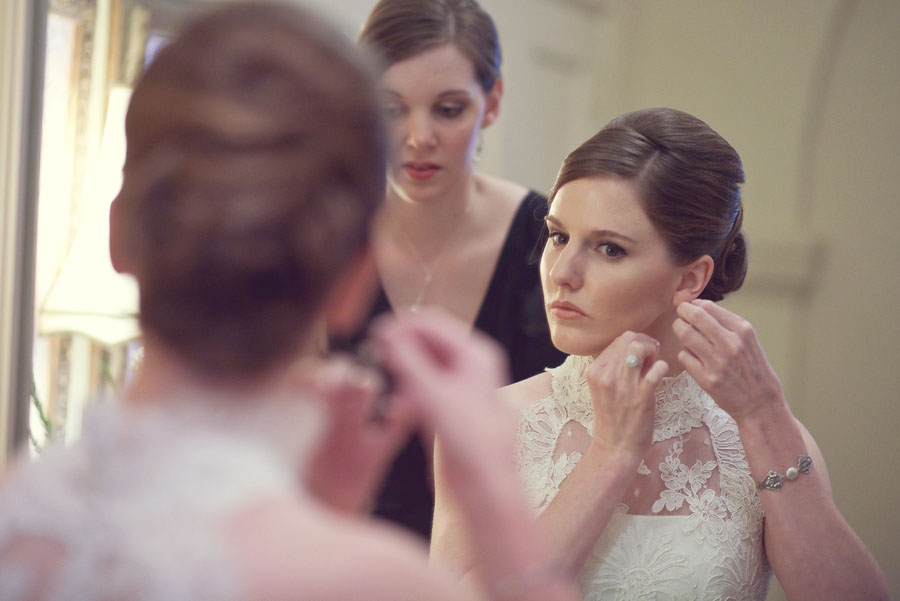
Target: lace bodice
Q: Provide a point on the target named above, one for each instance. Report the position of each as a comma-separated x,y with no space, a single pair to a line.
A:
690,525
137,510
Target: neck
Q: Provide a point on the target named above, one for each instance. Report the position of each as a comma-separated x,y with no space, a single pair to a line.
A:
163,375
278,409
429,224
669,344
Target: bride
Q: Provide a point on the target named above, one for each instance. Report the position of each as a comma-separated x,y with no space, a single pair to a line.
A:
232,465
661,455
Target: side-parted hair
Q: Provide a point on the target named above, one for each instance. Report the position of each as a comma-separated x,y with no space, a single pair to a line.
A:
400,29
254,165
688,179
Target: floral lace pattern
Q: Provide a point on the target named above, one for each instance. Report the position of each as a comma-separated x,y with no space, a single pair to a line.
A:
690,528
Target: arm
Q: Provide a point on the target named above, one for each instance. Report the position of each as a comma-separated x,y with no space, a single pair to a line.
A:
290,551
812,549
451,376
624,403
355,448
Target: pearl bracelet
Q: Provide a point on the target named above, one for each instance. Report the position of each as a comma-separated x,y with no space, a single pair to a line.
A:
774,480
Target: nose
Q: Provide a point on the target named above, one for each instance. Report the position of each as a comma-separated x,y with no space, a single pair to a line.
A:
420,132
565,269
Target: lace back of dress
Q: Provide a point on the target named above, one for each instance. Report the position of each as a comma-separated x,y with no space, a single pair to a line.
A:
138,509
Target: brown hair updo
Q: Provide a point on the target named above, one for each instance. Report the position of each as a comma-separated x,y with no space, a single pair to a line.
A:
688,179
400,29
254,165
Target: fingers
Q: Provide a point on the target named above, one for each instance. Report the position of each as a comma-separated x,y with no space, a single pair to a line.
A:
641,356
437,344
630,360
656,373
713,321
632,353
691,338
698,321
726,318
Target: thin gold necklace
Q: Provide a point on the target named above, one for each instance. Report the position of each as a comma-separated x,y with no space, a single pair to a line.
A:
429,272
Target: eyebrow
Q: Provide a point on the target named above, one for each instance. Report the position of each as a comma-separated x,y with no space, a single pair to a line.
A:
442,95
549,219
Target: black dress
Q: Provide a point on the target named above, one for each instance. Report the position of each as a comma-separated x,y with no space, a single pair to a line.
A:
512,314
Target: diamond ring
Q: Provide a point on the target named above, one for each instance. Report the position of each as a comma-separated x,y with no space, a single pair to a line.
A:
632,361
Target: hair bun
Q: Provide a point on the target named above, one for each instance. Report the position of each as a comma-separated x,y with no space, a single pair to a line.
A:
731,265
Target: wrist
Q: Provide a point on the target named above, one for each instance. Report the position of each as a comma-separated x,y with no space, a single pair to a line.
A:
614,456
536,581
765,417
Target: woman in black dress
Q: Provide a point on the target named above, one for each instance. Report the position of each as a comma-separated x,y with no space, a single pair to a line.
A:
450,236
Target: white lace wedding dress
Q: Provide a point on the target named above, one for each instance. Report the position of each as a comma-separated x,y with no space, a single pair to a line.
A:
138,509
690,526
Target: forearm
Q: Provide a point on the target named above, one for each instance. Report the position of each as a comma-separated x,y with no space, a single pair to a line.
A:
814,552
581,510
485,531
509,556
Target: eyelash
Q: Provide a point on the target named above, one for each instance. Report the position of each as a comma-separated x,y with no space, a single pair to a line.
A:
554,238
449,111
443,111
392,112
557,238
619,251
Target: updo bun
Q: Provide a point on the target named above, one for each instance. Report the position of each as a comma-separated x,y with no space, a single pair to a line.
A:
254,165
688,179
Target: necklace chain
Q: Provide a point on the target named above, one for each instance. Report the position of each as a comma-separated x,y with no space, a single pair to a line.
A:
429,272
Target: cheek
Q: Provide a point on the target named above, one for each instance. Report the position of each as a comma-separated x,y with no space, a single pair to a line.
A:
640,297
544,268
464,135
396,140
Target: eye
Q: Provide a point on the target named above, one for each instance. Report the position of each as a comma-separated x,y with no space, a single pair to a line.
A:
449,110
613,251
557,238
392,111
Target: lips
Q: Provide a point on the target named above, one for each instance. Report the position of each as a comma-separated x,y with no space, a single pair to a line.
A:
566,310
420,171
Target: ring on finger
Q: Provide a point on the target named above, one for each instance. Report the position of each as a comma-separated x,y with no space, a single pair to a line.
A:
632,360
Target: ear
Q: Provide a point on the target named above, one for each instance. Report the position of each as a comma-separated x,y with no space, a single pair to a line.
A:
118,253
492,104
351,297
694,278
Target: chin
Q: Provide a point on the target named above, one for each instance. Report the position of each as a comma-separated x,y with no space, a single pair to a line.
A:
577,343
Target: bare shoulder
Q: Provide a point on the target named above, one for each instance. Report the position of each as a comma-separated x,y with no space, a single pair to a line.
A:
524,393
290,550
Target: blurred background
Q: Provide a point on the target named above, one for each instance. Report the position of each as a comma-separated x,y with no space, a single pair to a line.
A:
807,91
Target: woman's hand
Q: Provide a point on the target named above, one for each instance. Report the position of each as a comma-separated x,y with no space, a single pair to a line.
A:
622,381
357,446
451,375
721,352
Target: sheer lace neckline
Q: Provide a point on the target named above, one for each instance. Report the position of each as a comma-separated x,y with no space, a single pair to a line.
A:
688,526
679,400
